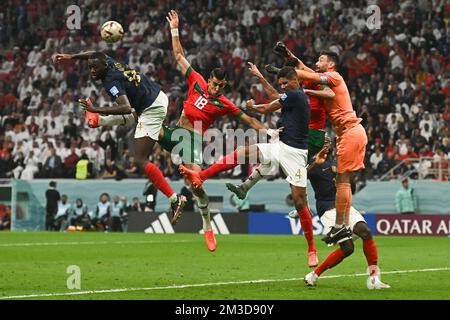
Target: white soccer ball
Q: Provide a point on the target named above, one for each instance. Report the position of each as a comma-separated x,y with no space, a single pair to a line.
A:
111,31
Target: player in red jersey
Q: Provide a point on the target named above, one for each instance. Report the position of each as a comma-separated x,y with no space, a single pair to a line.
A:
290,151
204,104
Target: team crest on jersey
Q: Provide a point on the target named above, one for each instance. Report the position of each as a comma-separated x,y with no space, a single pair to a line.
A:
119,66
283,96
323,79
114,91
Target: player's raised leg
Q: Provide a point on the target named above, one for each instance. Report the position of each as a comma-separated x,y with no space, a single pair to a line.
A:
351,148
240,190
143,147
227,162
96,120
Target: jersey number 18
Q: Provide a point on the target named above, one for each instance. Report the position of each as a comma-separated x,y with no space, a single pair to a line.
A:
201,102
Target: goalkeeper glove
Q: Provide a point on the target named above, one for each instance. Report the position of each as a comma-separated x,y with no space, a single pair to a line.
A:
281,49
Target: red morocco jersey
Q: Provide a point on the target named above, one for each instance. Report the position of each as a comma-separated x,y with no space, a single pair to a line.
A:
201,107
317,119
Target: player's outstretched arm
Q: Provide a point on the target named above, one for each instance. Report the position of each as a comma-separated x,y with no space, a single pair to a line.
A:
60,57
257,125
326,93
301,65
281,49
263,108
270,91
178,52
252,122
313,77
122,106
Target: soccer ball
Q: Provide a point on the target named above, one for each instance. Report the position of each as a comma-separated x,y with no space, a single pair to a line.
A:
111,31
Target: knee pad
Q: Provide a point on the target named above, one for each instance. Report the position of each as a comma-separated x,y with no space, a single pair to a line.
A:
347,246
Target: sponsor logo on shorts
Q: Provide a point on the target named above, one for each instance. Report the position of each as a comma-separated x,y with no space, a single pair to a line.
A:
298,174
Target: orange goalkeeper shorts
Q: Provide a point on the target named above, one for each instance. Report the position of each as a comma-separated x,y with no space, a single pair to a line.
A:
351,149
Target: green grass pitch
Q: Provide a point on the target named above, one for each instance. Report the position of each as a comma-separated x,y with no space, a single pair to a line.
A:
178,266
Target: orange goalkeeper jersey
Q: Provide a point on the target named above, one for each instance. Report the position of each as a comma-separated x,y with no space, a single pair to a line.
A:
339,109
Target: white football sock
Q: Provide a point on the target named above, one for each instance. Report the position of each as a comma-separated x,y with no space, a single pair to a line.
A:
202,203
251,180
373,270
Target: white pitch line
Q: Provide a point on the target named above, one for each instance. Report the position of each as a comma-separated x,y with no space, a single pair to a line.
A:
211,284
72,243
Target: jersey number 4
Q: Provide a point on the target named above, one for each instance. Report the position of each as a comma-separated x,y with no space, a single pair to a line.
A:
298,174
201,102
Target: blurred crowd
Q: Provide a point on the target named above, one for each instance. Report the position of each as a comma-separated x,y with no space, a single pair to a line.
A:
397,75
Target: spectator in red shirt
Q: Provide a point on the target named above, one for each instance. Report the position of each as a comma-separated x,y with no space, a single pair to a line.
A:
5,219
426,152
409,155
390,149
70,163
446,114
369,65
33,128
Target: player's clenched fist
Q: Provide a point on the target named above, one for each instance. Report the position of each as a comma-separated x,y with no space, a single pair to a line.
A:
250,104
321,157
